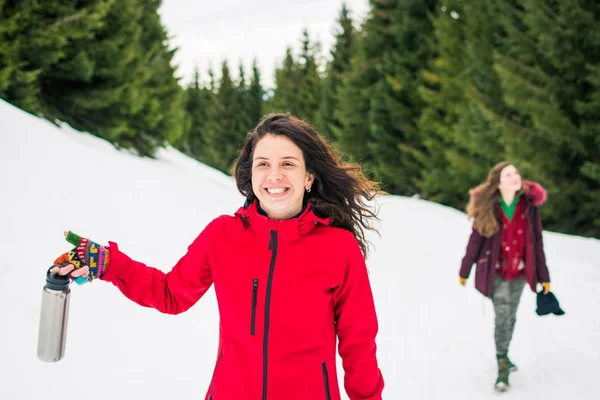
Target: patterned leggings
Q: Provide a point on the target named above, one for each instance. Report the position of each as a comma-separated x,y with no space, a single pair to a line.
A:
506,297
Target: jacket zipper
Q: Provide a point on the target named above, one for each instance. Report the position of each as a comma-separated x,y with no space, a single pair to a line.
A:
212,380
254,300
273,249
326,381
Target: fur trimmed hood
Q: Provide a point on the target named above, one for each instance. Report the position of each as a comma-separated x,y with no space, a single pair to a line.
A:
535,193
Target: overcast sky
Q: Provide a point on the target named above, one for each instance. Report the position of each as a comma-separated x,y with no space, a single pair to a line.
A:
207,32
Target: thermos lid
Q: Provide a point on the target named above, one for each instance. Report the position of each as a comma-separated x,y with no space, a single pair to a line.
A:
55,281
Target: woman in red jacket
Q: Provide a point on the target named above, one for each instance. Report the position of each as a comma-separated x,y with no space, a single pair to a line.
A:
288,270
506,244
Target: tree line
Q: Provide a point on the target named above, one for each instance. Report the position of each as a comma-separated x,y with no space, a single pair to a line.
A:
427,94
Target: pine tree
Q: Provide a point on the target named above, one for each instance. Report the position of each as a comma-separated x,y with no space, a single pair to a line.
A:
12,18
442,91
101,66
8,49
590,168
36,37
198,99
462,89
478,142
396,47
97,85
328,122
548,71
117,82
242,103
222,135
400,106
309,81
255,96
212,85
162,120
285,96
352,108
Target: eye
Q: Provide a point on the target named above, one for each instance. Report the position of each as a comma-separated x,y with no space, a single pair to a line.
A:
288,164
261,164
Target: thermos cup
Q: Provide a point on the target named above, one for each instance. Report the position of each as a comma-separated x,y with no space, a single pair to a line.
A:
54,315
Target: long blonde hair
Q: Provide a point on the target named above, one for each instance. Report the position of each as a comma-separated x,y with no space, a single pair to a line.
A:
483,200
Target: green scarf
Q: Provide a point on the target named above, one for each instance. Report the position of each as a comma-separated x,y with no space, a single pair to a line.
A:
509,210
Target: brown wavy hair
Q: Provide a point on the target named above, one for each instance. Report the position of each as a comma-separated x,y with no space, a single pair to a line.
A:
340,190
483,200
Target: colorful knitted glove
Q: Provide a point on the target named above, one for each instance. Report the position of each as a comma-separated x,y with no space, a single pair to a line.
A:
85,253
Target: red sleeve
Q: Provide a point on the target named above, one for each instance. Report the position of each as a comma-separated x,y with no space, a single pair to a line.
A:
170,293
356,325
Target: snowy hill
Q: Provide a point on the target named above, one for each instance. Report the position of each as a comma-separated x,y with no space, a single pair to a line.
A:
436,337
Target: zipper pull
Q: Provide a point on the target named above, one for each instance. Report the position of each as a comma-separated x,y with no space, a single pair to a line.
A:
255,284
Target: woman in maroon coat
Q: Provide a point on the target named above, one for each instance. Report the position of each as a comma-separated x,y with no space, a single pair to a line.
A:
506,246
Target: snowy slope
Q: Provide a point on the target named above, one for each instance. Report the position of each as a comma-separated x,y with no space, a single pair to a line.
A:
436,338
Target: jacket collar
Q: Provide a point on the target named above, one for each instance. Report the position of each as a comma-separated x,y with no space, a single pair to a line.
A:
288,228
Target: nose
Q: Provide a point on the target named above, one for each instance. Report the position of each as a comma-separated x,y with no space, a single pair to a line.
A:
275,174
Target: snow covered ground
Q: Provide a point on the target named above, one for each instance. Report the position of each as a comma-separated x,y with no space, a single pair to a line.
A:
436,337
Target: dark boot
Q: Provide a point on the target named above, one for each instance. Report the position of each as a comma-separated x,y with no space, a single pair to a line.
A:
511,367
503,372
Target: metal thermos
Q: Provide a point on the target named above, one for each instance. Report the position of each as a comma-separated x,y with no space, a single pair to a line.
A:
54,315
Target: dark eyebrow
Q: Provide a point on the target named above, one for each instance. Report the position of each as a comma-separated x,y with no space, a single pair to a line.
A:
285,158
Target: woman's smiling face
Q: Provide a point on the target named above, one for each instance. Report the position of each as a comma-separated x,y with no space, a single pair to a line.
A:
279,176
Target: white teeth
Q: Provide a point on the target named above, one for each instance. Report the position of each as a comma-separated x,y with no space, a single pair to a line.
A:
276,190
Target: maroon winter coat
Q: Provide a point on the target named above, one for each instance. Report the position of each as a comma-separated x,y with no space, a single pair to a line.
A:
486,251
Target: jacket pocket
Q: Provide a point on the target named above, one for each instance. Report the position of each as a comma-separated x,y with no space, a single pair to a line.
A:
212,380
253,312
326,381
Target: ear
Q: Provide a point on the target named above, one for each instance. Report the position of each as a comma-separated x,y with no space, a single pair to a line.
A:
310,178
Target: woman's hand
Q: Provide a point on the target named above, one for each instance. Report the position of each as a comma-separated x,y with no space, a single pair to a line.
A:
546,286
85,262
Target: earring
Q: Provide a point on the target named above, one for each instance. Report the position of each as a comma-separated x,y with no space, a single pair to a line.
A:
307,190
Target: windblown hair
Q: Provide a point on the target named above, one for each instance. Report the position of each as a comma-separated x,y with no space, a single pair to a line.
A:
340,190
483,200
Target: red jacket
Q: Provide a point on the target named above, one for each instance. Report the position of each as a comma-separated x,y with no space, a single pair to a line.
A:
284,289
